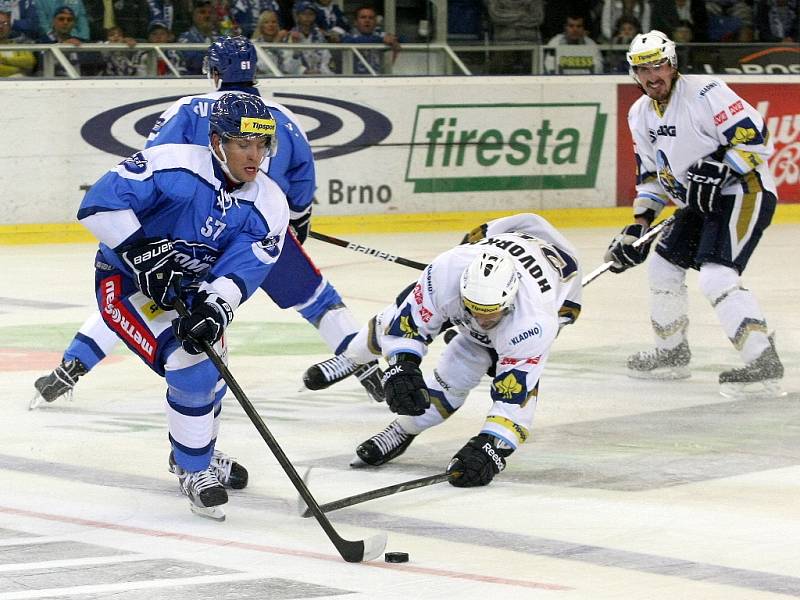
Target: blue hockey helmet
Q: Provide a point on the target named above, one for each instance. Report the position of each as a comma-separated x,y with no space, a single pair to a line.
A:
233,59
244,116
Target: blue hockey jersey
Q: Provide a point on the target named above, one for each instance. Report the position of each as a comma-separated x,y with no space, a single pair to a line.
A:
225,239
292,168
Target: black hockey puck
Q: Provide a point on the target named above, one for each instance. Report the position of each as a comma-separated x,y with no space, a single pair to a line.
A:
396,557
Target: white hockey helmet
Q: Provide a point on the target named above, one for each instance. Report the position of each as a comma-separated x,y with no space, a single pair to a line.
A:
490,283
650,47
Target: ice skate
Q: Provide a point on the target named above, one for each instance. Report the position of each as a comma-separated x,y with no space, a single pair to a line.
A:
229,472
661,364
370,375
324,374
205,492
759,378
383,447
60,381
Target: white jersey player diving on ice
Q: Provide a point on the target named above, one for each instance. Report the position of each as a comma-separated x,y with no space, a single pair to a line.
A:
507,294
704,148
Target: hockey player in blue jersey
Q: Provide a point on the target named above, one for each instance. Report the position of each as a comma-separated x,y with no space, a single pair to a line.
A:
203,224
294,282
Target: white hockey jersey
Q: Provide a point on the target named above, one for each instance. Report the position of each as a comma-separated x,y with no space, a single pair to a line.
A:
549,295
703,116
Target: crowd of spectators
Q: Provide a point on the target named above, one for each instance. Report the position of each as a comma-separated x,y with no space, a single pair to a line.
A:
561,26
129,22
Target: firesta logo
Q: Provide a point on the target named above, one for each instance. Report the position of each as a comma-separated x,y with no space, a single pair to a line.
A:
97,130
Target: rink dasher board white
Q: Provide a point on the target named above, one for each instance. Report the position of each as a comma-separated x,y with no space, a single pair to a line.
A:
401,145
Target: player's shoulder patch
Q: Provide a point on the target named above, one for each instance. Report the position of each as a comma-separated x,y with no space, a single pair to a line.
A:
136,163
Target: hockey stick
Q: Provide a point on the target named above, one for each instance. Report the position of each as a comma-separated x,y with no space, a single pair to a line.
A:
351,551
406,262
379,493
645,239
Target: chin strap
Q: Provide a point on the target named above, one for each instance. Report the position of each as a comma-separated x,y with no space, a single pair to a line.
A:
223,163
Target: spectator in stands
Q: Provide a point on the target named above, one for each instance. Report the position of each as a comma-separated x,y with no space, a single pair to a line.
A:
614,10
305,31
49,8
120,63
729,21
131,15
176,14
573,52
683,33
514,22
268,30
222,19
24,17
556,12
777,20
669,14
62,28
331,20
201,32
625,30
158,33
13,63
246,13
366,32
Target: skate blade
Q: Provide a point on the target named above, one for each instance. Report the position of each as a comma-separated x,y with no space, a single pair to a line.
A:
357,463
752,391
670,374
36,401
215,513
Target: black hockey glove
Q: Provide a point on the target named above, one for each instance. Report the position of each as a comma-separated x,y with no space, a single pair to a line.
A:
206,322
704,181
301,226
157,275
404,386
477,462
621,251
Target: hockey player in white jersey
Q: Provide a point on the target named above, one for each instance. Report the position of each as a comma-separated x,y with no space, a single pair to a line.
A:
203,223
507,295
704,148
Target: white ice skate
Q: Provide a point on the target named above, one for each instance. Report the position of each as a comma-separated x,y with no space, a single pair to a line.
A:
661,364
760,378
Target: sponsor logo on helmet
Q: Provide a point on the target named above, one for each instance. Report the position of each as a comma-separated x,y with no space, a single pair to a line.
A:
647,56
482,309
257,126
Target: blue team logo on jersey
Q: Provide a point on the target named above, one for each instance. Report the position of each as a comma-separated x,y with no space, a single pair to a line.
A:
743,132
667,178
270,245
510,387
135,164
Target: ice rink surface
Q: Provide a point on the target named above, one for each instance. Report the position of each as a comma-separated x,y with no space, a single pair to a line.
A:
628,489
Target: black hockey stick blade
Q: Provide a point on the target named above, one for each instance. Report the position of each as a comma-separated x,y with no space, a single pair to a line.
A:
379,493
406,262
351,551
